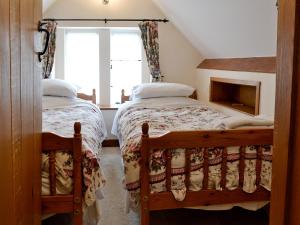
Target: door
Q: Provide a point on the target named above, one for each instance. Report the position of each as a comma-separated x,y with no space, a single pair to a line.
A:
20,113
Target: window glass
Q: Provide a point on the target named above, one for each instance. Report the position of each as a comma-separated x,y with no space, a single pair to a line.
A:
82,59
126,62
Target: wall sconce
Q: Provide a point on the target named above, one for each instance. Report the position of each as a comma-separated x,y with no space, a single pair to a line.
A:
38,40
105,2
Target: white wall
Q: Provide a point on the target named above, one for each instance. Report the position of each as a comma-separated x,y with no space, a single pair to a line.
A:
47,4
267,96
226,28
177,56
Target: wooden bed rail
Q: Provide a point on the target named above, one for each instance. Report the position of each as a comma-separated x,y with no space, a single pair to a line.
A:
91,98
55,203
205,140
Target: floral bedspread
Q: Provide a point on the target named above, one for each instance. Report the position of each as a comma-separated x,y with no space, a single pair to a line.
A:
181,114
59,115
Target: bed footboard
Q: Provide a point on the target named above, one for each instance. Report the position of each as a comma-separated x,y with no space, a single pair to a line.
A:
71,203
205,140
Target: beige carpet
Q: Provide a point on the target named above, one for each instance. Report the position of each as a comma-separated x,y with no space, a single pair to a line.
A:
113,205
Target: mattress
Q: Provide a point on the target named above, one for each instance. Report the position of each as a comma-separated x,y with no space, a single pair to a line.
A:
175,114
59,115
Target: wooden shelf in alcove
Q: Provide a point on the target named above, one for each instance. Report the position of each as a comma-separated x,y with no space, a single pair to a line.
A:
240,95
238,107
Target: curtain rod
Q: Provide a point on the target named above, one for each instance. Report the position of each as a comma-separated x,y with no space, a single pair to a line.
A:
109,20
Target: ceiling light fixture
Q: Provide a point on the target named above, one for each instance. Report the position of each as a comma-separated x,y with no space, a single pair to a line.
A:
105,2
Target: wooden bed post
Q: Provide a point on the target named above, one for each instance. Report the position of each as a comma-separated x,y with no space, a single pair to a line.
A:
144,174
94,96
77,143
124,97
86,97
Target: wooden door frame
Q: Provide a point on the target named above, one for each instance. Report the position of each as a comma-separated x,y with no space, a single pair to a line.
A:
20,112
38,122
283,203
283,209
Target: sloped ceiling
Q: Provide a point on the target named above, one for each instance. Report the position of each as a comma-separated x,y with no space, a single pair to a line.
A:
224,29
47,4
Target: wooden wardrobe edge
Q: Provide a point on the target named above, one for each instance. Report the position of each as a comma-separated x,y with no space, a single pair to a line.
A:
285,201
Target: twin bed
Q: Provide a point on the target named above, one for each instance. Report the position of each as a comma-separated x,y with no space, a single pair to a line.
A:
177,154
180,153
62,108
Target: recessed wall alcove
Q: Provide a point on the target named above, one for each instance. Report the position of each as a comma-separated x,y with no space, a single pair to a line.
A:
241,95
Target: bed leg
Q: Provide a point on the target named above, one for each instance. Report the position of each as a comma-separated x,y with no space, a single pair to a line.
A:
77,219
145,217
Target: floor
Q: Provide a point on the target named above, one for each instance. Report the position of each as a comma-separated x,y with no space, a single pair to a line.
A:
114,213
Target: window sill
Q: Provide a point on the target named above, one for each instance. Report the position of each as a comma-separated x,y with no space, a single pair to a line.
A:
109,107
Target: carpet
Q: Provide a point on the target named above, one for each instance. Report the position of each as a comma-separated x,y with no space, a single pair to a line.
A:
113,205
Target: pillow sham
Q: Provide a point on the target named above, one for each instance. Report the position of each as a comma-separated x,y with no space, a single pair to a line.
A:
60,88
156,90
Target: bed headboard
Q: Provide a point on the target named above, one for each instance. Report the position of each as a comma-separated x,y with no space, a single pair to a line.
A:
125,98
91,98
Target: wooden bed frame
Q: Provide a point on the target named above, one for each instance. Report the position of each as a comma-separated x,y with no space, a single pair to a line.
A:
70,203
125,98
52,143
91,98
201,139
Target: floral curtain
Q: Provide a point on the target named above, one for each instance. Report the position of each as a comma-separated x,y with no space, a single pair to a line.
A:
149,32
48,57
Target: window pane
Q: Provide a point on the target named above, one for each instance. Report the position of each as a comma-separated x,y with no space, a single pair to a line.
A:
82,59
124,75
126,62
126,45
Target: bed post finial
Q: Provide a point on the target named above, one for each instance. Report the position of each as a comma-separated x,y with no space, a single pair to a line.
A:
94,96
124,98
145,129
77,128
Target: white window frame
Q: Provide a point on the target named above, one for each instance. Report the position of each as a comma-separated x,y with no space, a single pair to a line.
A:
104,64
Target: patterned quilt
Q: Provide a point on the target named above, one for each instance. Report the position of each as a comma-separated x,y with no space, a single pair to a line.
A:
59,115
171,114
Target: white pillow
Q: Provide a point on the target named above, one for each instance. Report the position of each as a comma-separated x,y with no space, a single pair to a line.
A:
156,90
61,88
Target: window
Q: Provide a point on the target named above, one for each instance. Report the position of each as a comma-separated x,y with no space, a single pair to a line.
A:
126,62
107,59
82,58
